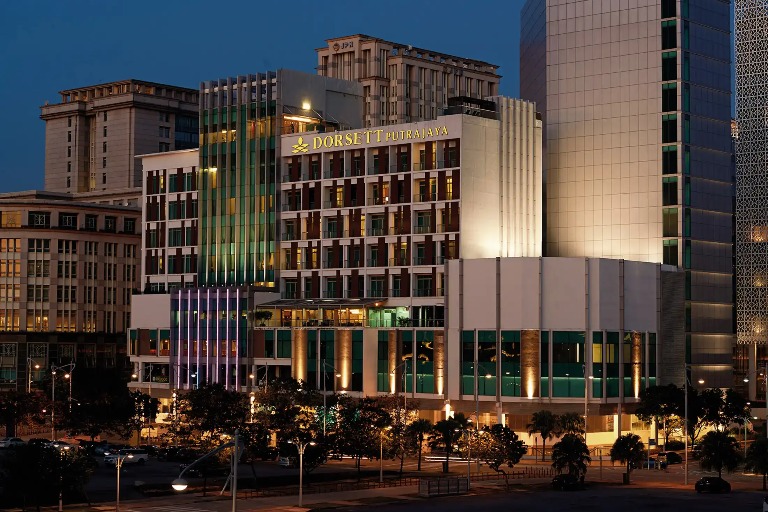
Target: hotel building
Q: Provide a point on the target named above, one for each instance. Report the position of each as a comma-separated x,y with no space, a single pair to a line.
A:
402,84
635,101
751,212
92,137
67,271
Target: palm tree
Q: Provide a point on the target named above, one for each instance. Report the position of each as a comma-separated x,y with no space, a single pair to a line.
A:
417,431
628,449
445,434
571,453
719,451
571,423
757,457
545,424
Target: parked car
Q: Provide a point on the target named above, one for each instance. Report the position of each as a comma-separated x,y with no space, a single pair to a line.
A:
288,462
206,468
131,456
713,484
10,442
39,441
179,454
670,457
651,463
567,482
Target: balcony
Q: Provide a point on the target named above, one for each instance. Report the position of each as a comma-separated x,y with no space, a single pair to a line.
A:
354,172
336,233
401,167
353,263
421,198
419,230
311,175
288,207
376,293
376,170
331,174
292,235
398,262
378,200
374,262
427,292
375,231
434,260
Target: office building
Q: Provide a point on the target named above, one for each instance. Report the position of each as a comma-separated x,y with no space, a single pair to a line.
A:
635,100
403,84
751,138
92,137
67,271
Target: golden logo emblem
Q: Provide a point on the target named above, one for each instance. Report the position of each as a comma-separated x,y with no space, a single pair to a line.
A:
300,146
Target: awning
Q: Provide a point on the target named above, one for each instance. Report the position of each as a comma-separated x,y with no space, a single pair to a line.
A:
321,303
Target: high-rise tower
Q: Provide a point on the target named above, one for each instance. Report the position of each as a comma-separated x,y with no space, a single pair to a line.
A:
636,107
752,185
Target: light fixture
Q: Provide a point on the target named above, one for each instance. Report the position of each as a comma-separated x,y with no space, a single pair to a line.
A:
701,381
306,105
179,484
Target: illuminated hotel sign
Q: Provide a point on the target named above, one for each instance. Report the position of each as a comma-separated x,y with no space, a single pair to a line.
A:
365,137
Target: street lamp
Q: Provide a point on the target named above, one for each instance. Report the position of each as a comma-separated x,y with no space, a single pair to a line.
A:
381,454
301,446
765,374
325,393
30,364
685,391
587,378
255,374
179,484
488,376
70,367
119,465
405,391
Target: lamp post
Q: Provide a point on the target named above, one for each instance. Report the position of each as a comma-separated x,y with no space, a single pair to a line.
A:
301,446
119,465
587,378
405,390
488,376
685,391
179,484
381,454
62,449
30,364
70,368
325,393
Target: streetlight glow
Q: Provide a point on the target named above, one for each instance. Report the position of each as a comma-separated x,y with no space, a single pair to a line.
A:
179,484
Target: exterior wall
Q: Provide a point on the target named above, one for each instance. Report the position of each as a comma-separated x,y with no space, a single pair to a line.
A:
751,213
403,84
67,270
267,101
636,110
169,190
94,134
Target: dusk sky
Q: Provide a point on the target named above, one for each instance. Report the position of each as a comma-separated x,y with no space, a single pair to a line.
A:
51,45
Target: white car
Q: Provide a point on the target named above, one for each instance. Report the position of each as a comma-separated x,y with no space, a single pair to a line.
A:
11,442
130,456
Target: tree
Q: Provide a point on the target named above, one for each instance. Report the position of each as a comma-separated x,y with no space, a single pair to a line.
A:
288,407
446,433
628,449
212,410
37,472
662,404
360,428
545,424
499,446
571,423
757,458
571,453
17,407
416,433
719,451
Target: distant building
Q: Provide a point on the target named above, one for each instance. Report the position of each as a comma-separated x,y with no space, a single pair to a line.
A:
92,137
67,271
403,84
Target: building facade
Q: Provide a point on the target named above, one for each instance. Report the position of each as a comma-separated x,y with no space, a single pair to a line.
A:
636,107
403,84
751,213
67,271
94,134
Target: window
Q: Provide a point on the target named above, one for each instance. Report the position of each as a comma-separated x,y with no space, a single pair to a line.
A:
669,160
668,97
40,219
669,190
129,226
68,220
90,222
69,122
69,181
669,66
669,220
69,166
164,147
69,151
67,246
110,224
669,128
670,252
668,35
105,116
164,132
165,117
175,237
39,245
9,219
105,131
104,166
10,245
104,175
67,269
69,136
38,268
103,147
668,8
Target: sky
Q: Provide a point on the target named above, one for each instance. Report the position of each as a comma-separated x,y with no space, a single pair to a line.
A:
52,45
